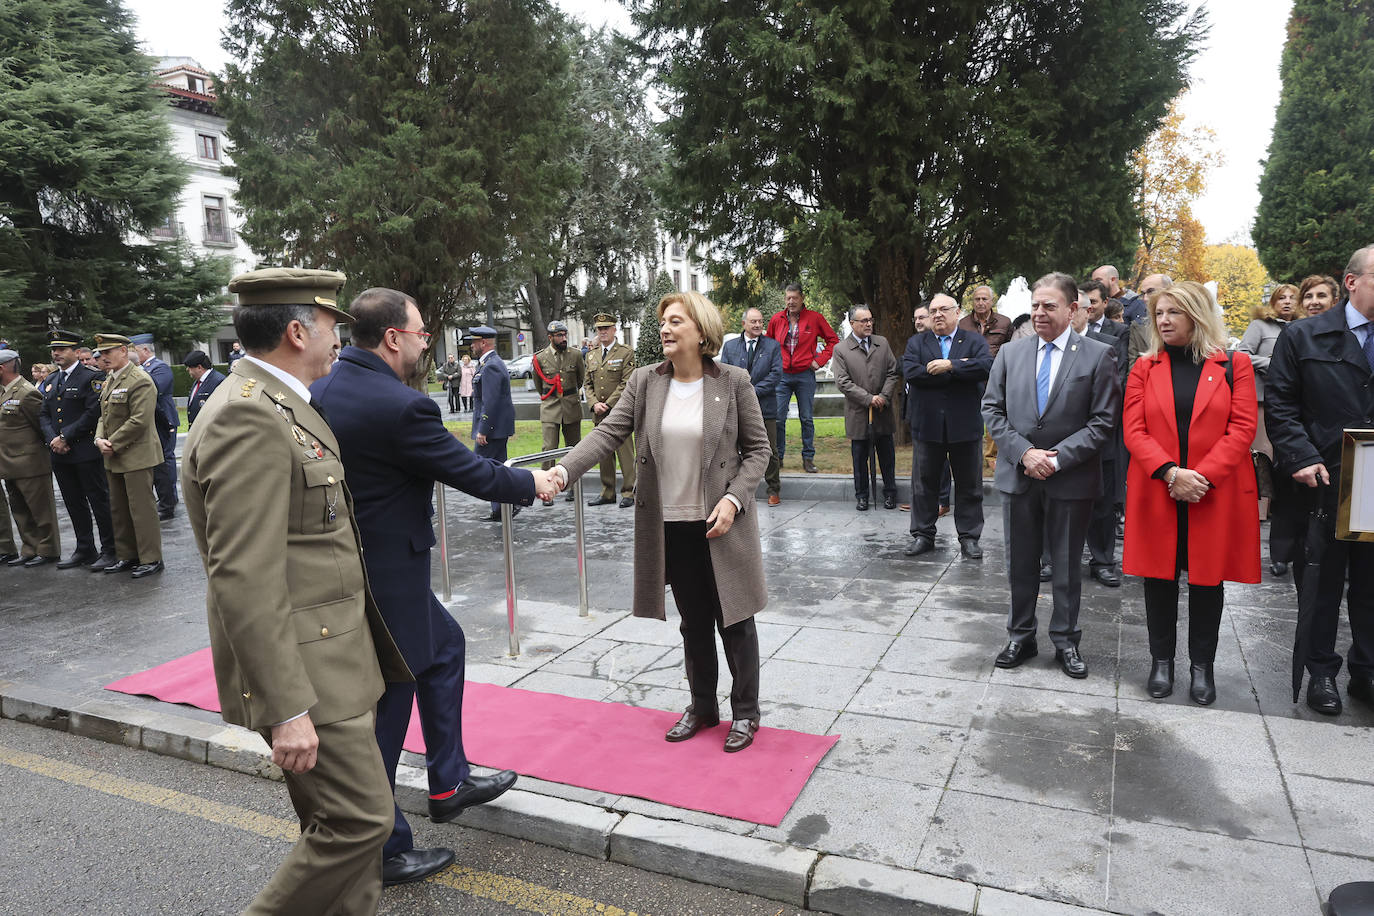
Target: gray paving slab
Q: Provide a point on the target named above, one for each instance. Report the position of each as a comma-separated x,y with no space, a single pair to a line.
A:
898,749
820,686
1331,871
919,655
937,700
842,648
1036,770
1069,717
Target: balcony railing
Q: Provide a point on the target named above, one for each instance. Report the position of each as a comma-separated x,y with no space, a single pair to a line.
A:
222,236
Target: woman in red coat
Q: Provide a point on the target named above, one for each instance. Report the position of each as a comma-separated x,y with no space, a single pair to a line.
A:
1191,504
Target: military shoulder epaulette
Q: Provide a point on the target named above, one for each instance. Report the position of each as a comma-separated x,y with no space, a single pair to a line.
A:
248,386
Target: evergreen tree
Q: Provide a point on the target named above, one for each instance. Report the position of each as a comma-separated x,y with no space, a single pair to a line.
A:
649,349
404,142
1317,190
85,167
903,149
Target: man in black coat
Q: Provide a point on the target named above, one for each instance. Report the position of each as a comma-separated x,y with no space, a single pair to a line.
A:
948,366
1092,298
394,447
1319,384
165,420
71,409
205,378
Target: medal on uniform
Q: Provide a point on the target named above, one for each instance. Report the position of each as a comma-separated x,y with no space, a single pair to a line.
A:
319,452
298,433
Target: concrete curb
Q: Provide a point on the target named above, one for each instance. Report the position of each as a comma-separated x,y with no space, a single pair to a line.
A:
796,876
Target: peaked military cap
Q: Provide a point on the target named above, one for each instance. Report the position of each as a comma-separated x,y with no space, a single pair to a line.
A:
105,342
291,286
557,327
142,339
481,331
604,321
60,338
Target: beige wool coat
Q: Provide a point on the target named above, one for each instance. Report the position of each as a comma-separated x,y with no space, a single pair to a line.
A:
859,377
735,453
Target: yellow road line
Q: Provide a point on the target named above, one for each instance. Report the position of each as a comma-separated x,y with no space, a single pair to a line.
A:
524,895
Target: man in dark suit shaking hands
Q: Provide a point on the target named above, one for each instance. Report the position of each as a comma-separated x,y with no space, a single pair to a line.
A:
948,366
394,446
761,356
1051,404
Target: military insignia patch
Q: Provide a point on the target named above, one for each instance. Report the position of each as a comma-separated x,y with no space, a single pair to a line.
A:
97,384
298,433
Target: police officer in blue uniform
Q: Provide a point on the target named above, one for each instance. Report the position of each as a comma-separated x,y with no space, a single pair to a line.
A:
165,421
71,410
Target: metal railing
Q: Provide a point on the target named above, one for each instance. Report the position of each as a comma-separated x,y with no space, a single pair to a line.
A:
508,546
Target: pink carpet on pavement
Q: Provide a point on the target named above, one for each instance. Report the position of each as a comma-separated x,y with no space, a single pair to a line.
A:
607,747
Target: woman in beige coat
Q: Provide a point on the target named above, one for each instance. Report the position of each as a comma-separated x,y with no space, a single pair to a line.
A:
702,450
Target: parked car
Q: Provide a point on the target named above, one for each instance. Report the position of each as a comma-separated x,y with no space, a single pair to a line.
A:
521,366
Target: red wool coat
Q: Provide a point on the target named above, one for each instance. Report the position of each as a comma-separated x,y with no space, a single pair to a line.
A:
1223,528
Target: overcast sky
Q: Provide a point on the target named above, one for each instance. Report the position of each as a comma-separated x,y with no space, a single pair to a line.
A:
1235,83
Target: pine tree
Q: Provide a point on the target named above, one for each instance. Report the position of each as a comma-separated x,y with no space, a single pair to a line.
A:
902,149
85,167
649,349
1317,190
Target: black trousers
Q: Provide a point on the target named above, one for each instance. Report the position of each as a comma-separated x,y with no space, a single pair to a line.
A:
165,474
495,449
1204,619
453,398
859,452
964,461
688,557
86,494
1353,562
1034,521
1102,527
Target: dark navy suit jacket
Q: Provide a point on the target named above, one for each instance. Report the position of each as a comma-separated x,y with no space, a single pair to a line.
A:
394,447
73,412
208,383
949,405
493,412
767,372
166,405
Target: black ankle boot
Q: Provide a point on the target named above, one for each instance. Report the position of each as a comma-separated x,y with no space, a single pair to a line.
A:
1161,682
1204,689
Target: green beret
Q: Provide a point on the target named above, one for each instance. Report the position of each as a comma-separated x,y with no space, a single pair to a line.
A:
291,286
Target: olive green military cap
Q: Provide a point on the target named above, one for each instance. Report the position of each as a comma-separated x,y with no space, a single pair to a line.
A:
105,342
291,286
604,321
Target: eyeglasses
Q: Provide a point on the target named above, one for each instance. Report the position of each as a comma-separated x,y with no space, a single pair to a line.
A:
861,321
423,335
944,308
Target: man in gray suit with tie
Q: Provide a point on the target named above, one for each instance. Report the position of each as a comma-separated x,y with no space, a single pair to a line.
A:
1051,404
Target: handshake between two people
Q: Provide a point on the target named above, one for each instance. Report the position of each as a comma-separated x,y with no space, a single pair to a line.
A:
548,484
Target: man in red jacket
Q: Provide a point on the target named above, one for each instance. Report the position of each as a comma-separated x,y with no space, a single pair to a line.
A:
797,329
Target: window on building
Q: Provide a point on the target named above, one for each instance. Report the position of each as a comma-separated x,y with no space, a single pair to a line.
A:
195,83
207,146
167,230
694,282
215,228
677,249
677,279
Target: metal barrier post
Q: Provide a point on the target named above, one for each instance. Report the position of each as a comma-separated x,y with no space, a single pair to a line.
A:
583,609
508,545
443,540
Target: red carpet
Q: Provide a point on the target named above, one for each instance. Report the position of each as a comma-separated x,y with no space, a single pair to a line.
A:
608,747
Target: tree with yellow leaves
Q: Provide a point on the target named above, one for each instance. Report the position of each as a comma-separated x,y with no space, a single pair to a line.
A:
1172,167
1240,281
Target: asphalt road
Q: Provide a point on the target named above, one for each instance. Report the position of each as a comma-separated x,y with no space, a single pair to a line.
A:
93,828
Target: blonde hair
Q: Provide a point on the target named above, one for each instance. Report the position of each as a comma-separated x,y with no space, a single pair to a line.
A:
1209,336
704,315
1265,310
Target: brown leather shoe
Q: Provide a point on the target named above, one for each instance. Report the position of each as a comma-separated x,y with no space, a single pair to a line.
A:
689,725
741,735
774,499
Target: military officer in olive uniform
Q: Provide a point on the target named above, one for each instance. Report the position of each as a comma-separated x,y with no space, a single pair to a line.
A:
559,374
609,365
301,652
71,409
127,436
25,466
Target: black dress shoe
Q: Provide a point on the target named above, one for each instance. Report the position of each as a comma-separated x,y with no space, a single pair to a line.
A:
77,559
569,498
1204,689
106,558
626,502
37,561
1161,682
689,725
476,790
414,865
1107,576
147,569
1278,568
889,502
1016,652
166,515
970,549
1323,696
809,466
1071,662
600,501
121,566
919,545
1361,687
861,503
6,557
1046,573
741,735
19,560
490,517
